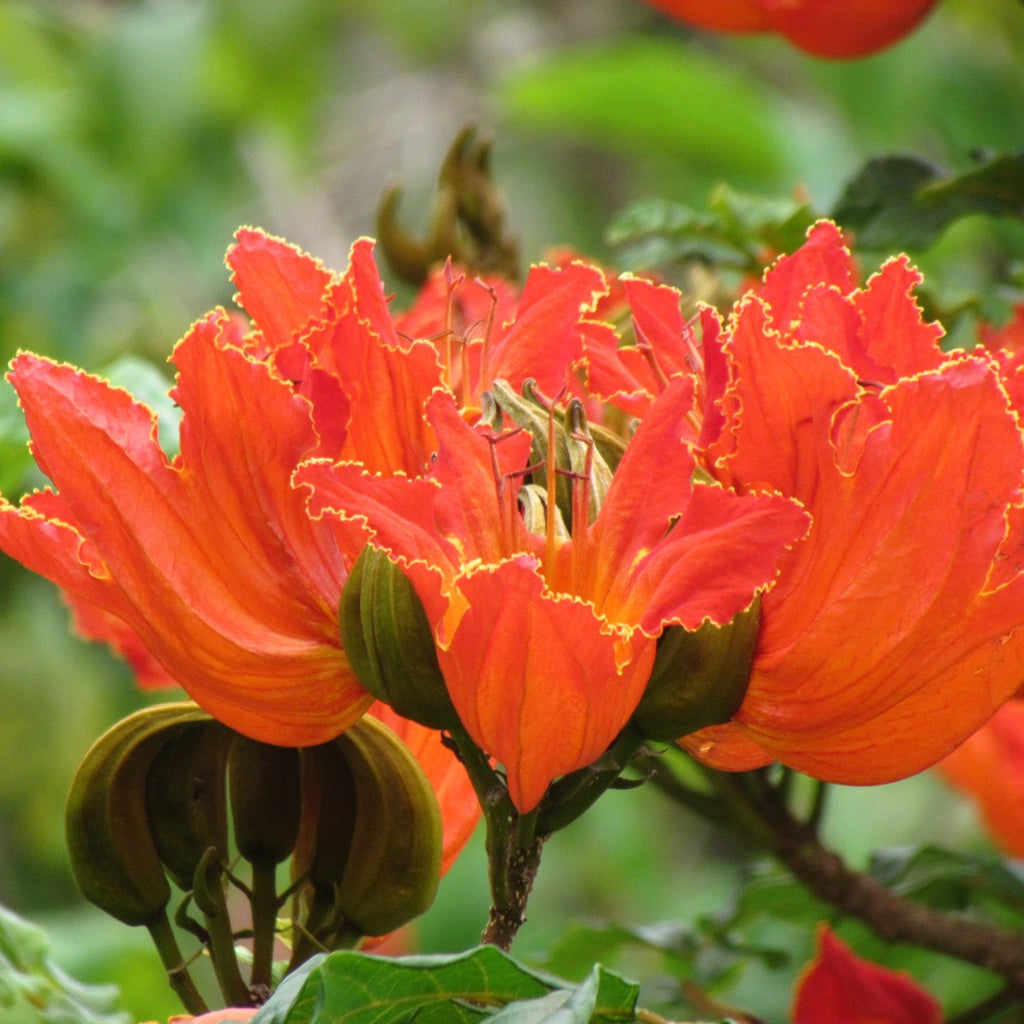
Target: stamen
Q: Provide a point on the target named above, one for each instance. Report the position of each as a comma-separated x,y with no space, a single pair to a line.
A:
581,487
645,348
508,506
452,283
552,483
489,326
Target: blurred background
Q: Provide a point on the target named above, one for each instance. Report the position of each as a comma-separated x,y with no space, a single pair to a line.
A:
135,137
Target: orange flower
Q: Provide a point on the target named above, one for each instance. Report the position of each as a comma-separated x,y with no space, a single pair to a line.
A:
546,643
208,558
841,988
893,631
827,28
989,768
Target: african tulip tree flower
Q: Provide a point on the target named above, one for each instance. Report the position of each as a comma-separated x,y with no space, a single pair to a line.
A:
546,643
209,558
893,631
841,988
827,28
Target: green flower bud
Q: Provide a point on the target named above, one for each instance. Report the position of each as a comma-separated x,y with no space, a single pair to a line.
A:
113,856
265,799
389,642
700,677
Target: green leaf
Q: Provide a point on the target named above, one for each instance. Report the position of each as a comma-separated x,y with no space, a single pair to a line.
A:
355,988
948,880
898,202
651,97
561,1007
33,990
737,230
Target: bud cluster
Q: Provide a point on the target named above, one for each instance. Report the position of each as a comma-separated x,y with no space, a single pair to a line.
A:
157,797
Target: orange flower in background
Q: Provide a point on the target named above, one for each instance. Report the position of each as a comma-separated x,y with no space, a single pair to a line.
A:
826,28
989,768
893,631
546,643
841,988
361,364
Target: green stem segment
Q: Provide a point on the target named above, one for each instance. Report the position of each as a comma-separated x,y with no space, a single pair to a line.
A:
513,848
208,894
264,904
180,980
514,840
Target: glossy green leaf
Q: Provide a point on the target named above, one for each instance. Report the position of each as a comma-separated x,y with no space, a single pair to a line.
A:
484,984
736,230
898,202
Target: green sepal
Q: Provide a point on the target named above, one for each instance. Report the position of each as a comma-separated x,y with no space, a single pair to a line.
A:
112,853
389,642
700,677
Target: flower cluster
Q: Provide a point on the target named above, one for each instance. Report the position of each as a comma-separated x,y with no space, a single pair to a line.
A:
819,450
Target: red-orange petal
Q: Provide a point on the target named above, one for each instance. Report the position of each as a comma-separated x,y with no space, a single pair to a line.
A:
540,682
386,380
282,288
841,988
989,768
851,660
847,28
661,551
545,340
827,28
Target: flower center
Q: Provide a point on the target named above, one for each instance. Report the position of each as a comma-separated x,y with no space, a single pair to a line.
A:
559,489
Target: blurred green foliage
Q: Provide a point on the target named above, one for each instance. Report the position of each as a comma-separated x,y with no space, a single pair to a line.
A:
136,136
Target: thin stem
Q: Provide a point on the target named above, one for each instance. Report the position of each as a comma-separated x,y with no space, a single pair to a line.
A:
817,812
208,894
513,845
159,927
264,903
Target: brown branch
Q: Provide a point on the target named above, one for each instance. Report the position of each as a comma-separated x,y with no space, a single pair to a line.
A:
508,914
890,916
